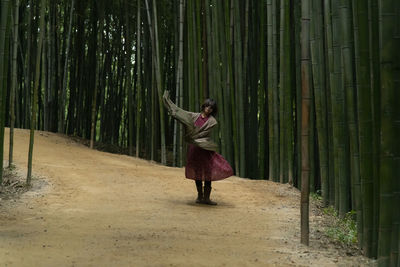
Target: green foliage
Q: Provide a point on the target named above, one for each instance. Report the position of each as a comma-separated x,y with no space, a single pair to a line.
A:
343,230
316,196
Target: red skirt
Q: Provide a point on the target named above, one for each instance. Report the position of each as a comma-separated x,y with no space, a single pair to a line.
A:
206,165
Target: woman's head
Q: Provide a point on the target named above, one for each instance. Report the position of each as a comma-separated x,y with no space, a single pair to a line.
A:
209,107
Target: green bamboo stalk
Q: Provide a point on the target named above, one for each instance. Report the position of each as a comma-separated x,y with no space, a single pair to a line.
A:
253,77
159,86
283,173
52,67
395,246
239,87
284,98
331,173
374,56
351,108
289,95
138,79
28,62
147,90
212,47
209,35
297,60
99,62
275,94
223,105
43,92
196,55
246,157
341,153
223,15
190,56
14,84
217,86
261,103
270,93
199,61
204,52
311,140
319,81
305,104
181,143
331,100
333,188
128,83
156,59
61,117
35,91
3,91
390,147
311,134
179,87
229,19
362,48
285,81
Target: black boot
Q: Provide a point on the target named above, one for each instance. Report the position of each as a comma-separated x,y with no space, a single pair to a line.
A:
200,196
207,192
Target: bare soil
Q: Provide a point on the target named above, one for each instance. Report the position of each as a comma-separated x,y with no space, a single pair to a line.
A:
91,208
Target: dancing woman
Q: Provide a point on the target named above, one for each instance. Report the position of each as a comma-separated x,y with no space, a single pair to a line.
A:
203,164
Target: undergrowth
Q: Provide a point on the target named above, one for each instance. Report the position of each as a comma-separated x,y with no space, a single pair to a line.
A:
339,229
343,230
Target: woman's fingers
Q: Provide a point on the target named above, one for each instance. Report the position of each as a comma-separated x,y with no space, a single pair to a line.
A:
166,93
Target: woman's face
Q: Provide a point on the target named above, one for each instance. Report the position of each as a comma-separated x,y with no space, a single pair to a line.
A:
208,110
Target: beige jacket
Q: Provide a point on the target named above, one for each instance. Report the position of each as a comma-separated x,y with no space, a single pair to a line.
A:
200,136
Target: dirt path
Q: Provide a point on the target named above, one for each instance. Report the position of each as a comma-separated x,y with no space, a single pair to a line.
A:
101,209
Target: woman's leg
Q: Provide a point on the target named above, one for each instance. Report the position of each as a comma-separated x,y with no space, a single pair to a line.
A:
207,192
199,186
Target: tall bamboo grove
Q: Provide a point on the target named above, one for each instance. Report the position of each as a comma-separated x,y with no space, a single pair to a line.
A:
96,70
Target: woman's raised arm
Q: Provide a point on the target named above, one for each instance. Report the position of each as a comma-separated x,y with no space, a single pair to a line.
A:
181,115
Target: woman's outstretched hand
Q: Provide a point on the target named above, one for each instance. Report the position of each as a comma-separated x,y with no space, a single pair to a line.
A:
166,94
167,102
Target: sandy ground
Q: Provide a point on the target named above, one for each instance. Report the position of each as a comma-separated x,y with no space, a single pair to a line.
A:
90,208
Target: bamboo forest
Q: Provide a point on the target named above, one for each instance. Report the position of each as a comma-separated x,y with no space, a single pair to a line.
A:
306,92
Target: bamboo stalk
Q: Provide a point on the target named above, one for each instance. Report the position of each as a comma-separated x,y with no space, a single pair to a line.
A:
128,84
156,59
35,91
351,105
179,87
239,86
61,117
275,94
318,63
216,91
261,104
339,120
229,26
297,60
139,79
14,84
223,12
283,173
390,147
270,93
305,104
3,39
373,26
365,223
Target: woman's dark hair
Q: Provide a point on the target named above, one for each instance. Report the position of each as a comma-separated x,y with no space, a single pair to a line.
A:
209,102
